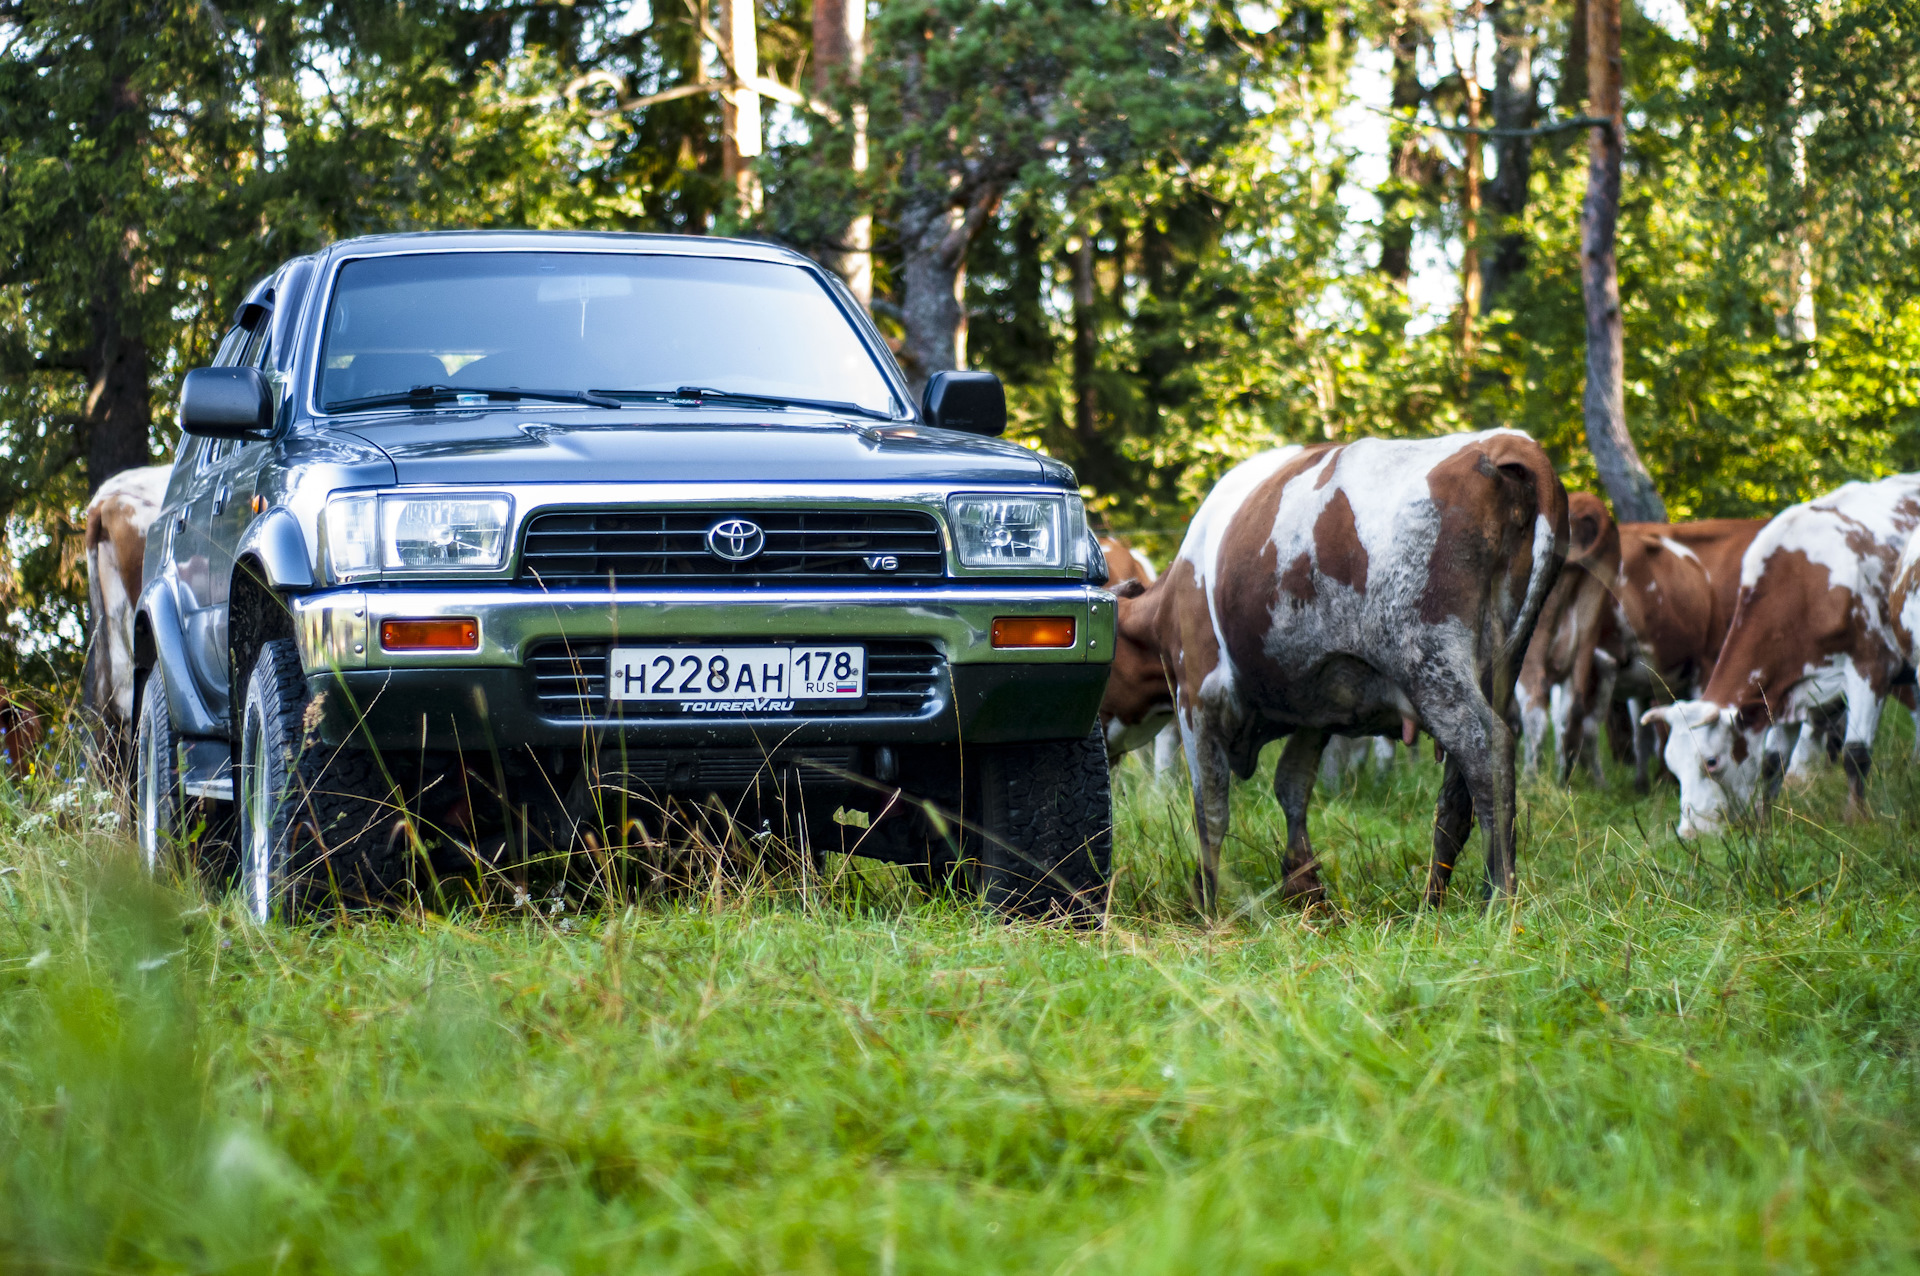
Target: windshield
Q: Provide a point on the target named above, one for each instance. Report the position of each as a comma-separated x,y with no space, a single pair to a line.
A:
607,322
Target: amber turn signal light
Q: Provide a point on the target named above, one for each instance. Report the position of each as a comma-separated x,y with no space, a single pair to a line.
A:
1033,631
460,634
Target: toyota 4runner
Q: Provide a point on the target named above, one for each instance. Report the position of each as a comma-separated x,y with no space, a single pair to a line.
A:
486,549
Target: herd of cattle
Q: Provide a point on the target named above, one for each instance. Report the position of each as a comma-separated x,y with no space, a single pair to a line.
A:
1385,588
1344,596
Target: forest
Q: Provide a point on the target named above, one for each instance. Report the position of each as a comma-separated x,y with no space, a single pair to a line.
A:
1180,231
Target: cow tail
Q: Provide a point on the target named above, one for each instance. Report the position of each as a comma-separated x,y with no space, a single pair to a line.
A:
1535,472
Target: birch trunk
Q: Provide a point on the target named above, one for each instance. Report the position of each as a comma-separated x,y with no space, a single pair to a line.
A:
740,103
839,55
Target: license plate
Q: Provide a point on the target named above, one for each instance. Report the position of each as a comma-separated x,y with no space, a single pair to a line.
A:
736,679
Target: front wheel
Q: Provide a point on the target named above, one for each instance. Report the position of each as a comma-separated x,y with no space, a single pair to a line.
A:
156,774
313,821
1043,816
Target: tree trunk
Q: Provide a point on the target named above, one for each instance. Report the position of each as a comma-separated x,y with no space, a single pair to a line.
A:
1798,323
119,409
935,234
1514,108
1470,231
740,105
1627,482
1403,160
839,54
1571,95
1086,335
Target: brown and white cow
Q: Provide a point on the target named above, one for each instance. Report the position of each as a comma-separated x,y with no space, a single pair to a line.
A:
1128,573
1125,563
1670,591
1811,636
1566,680
118,517
1367,588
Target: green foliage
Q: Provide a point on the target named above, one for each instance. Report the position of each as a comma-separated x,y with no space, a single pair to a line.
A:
156,158
1664,1058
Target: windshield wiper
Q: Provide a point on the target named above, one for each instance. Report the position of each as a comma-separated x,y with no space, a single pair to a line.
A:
426,395
692,396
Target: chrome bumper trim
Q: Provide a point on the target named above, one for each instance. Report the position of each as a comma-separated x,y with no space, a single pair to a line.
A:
339,629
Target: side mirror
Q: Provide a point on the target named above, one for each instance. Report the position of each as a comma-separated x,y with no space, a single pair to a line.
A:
227,403
971,401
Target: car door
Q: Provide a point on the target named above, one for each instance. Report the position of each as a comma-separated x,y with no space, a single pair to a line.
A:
236,473
196,560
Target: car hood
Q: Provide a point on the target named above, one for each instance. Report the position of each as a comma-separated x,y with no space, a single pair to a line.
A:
602,447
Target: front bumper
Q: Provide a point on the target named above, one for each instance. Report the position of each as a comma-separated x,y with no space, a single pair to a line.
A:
488,698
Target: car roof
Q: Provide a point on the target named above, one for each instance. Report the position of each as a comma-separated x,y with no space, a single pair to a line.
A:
562,241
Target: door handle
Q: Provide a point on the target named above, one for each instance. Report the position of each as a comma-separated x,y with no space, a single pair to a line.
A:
220,500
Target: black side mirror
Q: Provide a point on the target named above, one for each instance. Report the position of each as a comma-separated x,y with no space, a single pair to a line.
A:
971,401
227,403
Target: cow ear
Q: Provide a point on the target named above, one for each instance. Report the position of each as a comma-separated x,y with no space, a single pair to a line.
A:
1730,716
1129,588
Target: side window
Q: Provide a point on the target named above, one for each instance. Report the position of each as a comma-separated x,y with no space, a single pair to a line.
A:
255,353
230,347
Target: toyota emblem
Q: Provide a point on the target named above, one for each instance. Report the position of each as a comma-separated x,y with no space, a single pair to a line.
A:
735,540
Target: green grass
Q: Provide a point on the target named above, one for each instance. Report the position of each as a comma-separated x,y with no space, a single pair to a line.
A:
1663,1058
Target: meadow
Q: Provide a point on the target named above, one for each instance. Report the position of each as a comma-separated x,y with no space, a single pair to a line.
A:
1662,1057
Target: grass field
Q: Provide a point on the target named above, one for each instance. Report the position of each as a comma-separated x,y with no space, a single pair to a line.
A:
1663,1058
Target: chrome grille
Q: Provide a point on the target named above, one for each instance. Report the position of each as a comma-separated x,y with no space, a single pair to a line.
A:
570,681
599,548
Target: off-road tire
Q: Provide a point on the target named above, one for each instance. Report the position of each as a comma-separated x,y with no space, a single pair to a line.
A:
317,825
1043,837
157,803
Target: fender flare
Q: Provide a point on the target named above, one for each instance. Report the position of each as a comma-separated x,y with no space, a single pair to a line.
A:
159,611
275,541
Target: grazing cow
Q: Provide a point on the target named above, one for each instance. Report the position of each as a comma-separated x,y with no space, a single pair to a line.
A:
116,548
1125,564
1677,585
1811,637
1653,634
1566,680
1368,588
1128,572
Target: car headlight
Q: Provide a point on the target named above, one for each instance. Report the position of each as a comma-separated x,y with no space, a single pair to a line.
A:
1000,530
370,535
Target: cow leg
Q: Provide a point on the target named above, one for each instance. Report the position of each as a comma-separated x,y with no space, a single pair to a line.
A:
1643,742
1856,754
1534,724
1480,742
1293,787
1605,672
1212,787
1166,746
1452,825
1800,760
1560,709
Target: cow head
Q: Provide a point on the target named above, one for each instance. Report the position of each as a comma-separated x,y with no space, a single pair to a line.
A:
1715,757
1139,698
